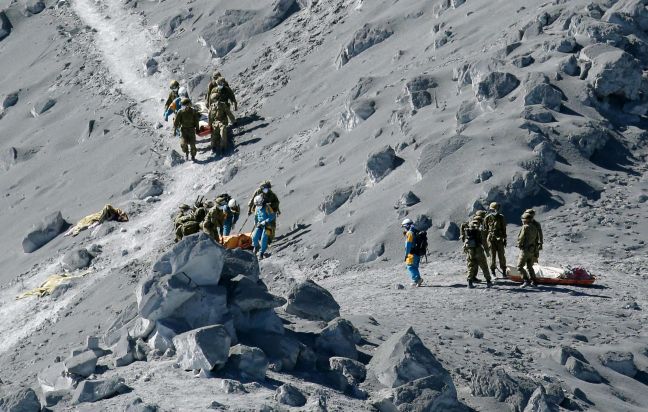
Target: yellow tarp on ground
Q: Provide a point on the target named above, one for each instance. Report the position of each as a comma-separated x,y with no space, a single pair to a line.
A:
242,240
52,282
107,213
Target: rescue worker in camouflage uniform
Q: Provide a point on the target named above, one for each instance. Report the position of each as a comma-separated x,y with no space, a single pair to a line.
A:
538,227
189,222
173,94
495,225
213,224
219,89
271,199
219,121
527,243
187,120
474,250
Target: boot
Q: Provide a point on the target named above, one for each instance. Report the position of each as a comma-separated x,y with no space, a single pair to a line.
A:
525,284
493,273
193,158
187,156
489,284
470,284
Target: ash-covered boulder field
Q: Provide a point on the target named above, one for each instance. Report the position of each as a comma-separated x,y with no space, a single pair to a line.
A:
361,114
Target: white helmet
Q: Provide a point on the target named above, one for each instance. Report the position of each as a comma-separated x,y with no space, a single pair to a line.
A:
259,200
232,204
183,92
407,222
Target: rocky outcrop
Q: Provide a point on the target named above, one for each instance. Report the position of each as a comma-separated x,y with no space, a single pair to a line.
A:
364,38
309,300
50,227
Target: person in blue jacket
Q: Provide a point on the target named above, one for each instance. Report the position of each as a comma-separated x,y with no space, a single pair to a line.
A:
176,104
232,213
412,260
263,217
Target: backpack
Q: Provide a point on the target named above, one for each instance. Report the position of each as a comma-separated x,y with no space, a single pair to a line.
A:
420,243
223,199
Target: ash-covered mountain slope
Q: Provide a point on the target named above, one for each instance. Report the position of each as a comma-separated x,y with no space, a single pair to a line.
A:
360,113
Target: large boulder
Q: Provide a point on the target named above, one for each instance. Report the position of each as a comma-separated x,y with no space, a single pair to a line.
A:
34,6
407,199
50,227
468,111
240,262
42,106
418,91
309,300
288,394
403,358
165,330
427,394
96,390
10,100
207,307
249,361
628,13
257,321
540,401
205,348
583,371
353,371
22,400
193,262
124,350
514,389
5,26
364,38
621,362
613,72
496,85
371,251
589,138
380,163
339,338
83,364
336,199
561,353
55,383
146,186
283,350
76,259
357,112
543,93
248,295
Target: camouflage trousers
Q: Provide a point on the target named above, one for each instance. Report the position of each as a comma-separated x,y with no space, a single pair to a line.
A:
219,138
497,252
476,259
188,141
525,264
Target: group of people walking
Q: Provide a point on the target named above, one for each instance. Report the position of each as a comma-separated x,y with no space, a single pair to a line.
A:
218,218
186,123
483,235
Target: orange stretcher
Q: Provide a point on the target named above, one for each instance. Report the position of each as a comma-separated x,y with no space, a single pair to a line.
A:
546,275
241,240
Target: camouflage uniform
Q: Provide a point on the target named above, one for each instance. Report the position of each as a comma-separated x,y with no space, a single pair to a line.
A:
495,225
527,243
224,94
172,96
188,223
218,120
187,119
474,249
538,227
213,224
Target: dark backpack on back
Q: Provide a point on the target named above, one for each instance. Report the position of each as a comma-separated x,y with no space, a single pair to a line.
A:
420,243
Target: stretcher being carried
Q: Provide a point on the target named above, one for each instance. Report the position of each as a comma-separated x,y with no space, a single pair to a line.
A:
546,275
241,240
204,126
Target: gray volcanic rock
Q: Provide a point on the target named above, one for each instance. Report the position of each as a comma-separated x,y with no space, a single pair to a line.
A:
83,364
468,111
335,200
339,338
250,362
544,94
34,6
173,159
5,26
208,307
364,38
418,90
8,158
380,163
613,71
205,348
496,85
450,231
562,353
589,138
42,106
161,338
403,358
515,390
50,227
95,390
357,112
249,295
124,350
541,402
22,400
427,394
257,321
10,100
55,383
284,351
288,394
407,199
621,362
628,13
538,114
309,300
583,371
370,252
149,185
352,370
240,262
569,65
77,259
